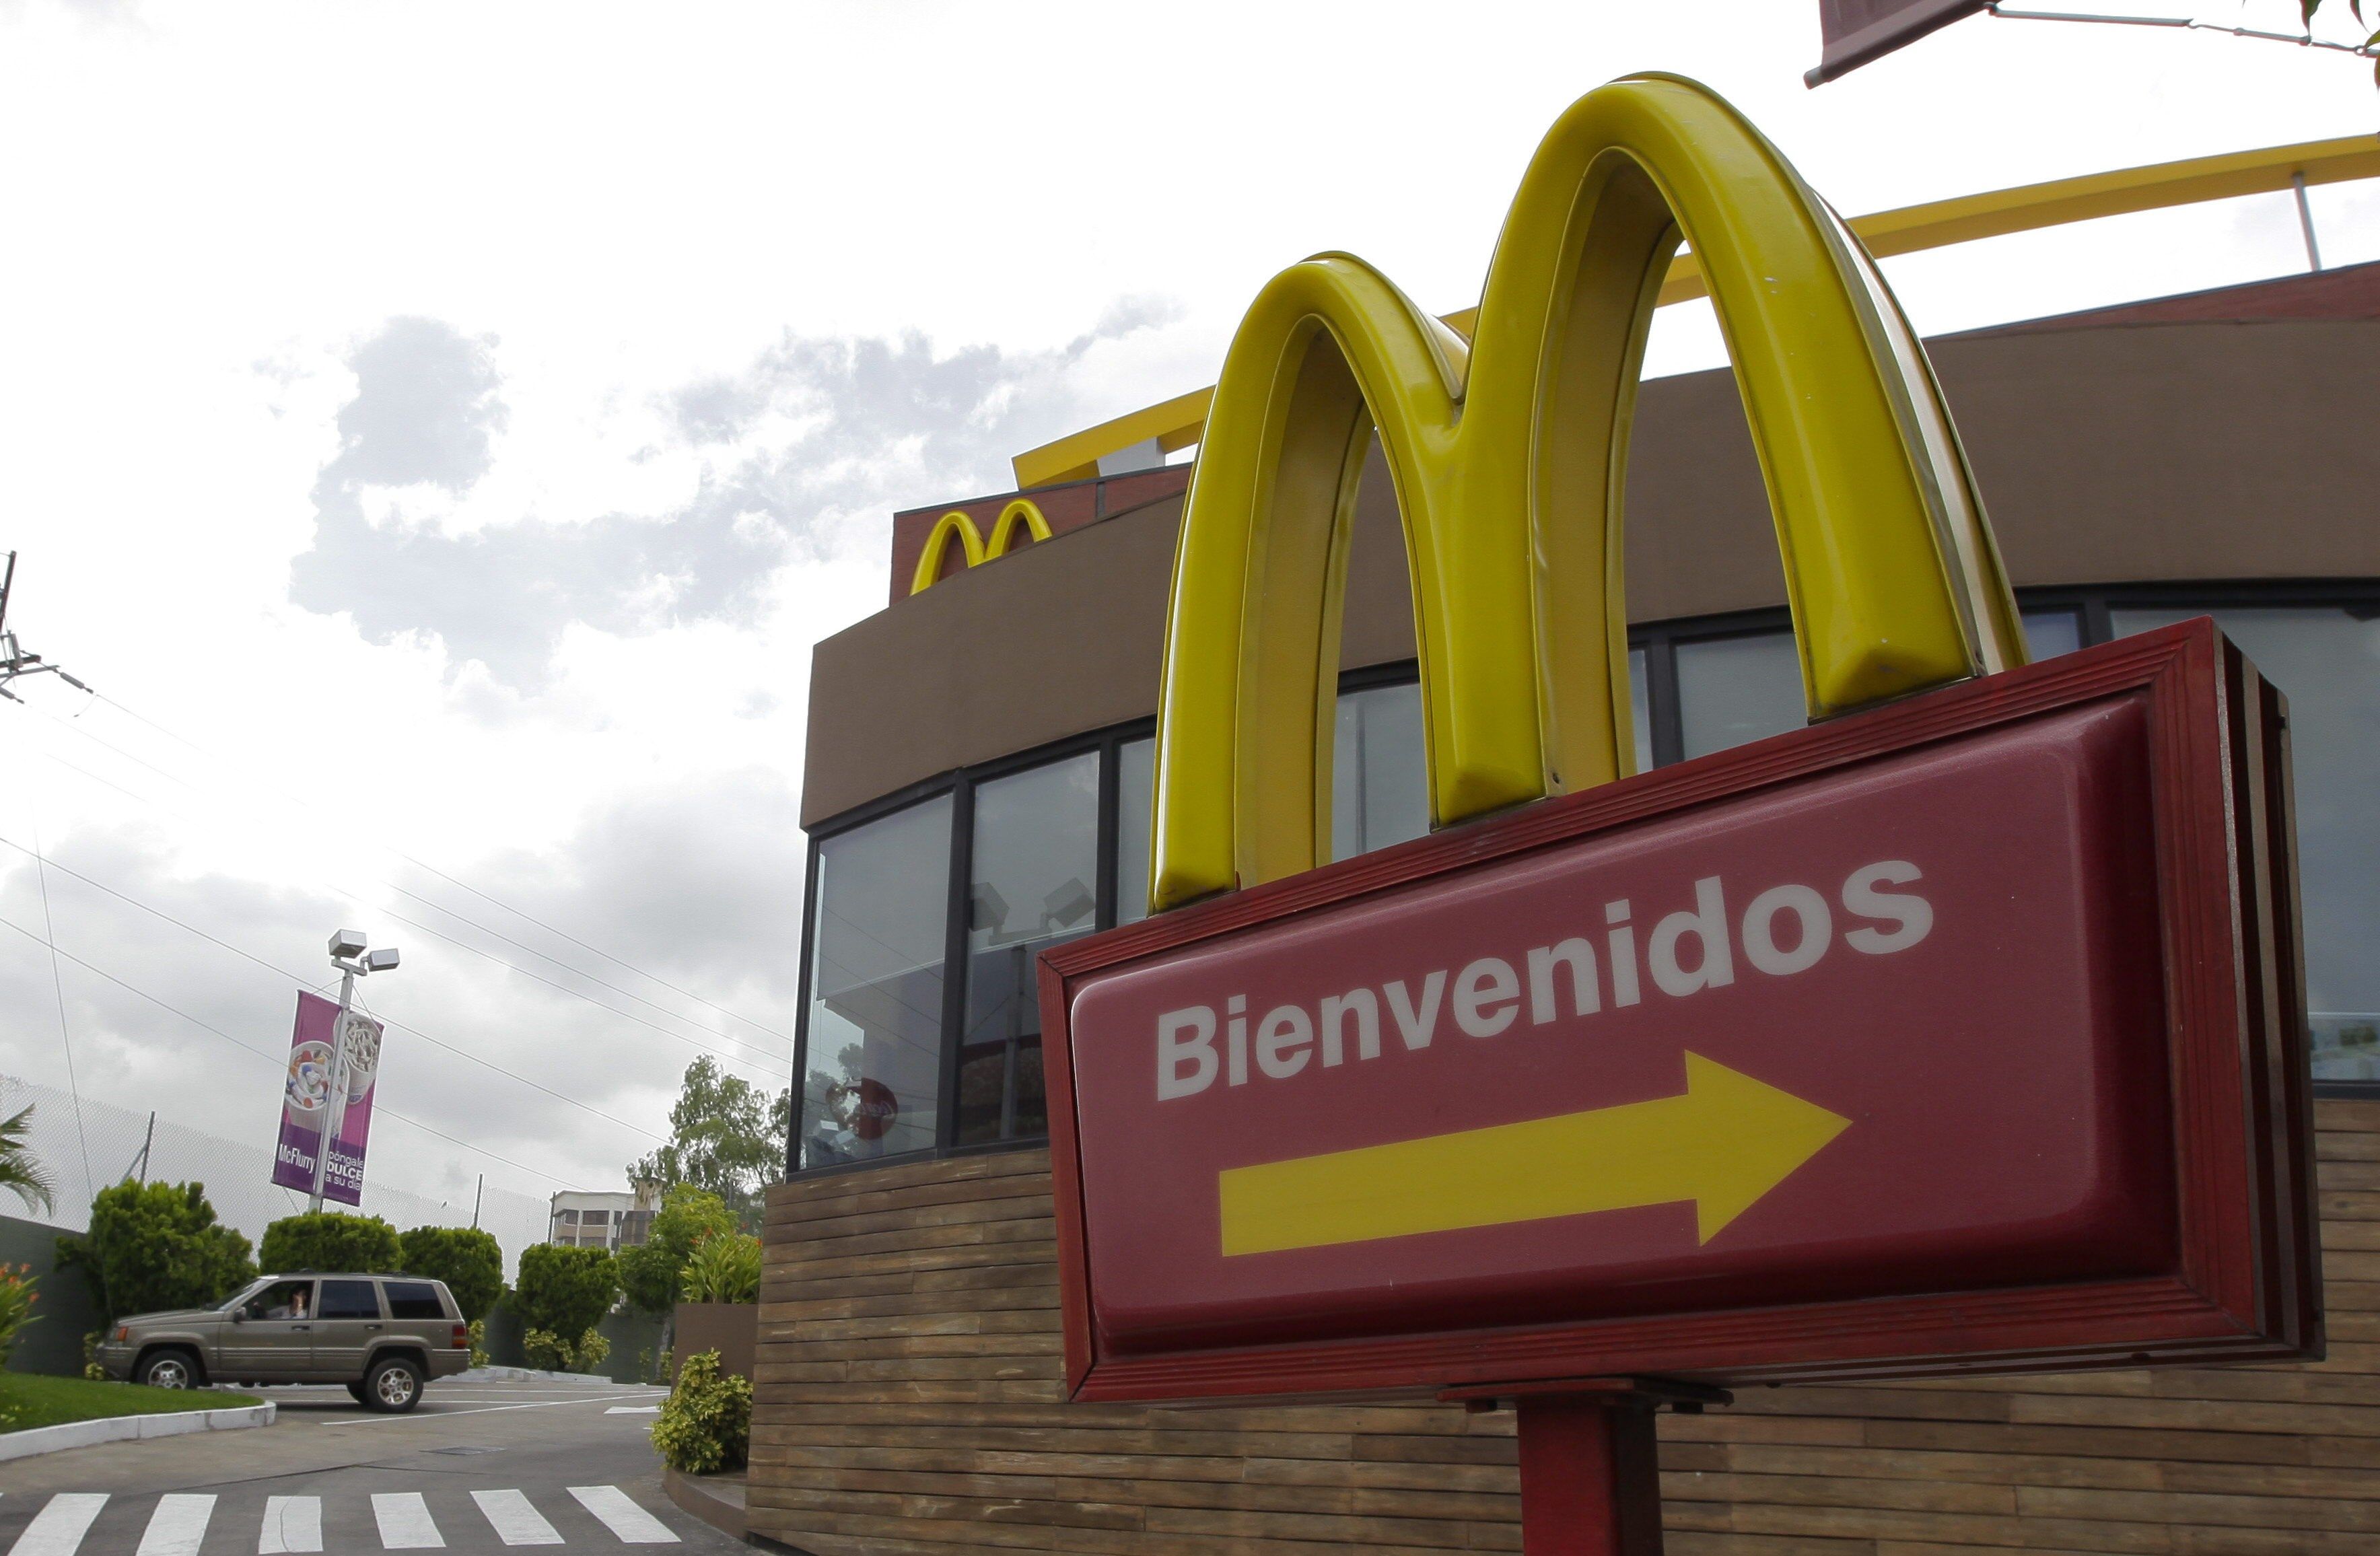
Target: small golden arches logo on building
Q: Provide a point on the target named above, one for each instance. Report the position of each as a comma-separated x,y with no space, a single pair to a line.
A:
1021,514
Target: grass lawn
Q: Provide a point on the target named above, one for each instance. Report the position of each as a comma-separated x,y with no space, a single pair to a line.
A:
29,1400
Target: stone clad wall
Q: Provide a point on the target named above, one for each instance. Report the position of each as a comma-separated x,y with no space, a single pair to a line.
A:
909,1402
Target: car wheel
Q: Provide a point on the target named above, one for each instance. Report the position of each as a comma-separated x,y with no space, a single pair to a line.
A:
168,1369
356,1391
392,1386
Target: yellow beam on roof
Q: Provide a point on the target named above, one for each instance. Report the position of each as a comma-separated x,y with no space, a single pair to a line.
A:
1177,423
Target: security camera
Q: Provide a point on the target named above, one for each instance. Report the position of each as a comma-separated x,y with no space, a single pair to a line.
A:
382,960
347,942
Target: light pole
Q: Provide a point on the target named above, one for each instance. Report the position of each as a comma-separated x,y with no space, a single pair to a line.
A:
354,961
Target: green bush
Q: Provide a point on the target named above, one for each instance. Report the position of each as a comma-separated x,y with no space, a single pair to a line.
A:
478,1335
557,1355
327,1241
653,1273
706,1424
726,1268
16,1299
564,1291
465,1258
154,1247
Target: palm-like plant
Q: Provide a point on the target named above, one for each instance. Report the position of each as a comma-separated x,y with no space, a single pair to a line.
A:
20,1173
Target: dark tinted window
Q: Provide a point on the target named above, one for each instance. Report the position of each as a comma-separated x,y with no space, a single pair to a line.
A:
413,1299
348,1299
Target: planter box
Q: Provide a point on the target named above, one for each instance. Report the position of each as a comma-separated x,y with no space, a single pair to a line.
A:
731,1328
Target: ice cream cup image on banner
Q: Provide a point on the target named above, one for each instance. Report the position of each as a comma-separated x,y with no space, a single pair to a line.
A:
364,1035
310,1083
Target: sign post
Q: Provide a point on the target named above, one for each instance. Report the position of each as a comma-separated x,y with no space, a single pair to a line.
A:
335,1116
1961,1032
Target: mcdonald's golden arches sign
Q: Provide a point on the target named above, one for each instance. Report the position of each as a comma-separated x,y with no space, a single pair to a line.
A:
1958,1032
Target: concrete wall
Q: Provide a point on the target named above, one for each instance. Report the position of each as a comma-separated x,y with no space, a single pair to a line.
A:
66,1311
636,1342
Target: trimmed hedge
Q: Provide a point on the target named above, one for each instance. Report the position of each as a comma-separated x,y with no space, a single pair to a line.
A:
324,1241
564,1291
465,1258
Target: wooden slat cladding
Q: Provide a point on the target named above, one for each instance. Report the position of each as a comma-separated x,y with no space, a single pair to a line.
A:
910,1403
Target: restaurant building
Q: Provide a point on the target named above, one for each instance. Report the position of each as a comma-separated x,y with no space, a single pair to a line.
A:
978,789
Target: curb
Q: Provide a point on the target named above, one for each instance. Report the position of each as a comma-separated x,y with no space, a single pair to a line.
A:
531,1375
122,1428
718,1502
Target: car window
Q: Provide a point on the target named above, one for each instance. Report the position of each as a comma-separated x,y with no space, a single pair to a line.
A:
413,1299
282,1300
349,1299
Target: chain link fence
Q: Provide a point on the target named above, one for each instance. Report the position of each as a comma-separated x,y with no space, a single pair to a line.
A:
121,1143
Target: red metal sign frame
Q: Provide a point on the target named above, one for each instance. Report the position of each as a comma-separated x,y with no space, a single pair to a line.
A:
2244,1281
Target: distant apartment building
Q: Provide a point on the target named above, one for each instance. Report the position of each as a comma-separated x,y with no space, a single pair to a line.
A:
603,1221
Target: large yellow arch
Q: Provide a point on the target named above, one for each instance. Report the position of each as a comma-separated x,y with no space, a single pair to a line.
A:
1509,462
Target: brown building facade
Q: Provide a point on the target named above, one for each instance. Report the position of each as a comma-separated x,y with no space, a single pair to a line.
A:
977,790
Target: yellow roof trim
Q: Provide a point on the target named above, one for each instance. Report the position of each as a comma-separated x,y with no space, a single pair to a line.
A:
1178,423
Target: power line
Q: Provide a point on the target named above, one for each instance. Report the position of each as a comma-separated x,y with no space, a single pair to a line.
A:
460,884
284,972
766,1064
277,1062
58,985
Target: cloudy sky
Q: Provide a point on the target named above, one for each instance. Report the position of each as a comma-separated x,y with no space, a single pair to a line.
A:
441,431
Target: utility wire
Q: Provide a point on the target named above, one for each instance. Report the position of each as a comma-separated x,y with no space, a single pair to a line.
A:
2302,39
460,884
298,979
277,1062
58,987
766,1063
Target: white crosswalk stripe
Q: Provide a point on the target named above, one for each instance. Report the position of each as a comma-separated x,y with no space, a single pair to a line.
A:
58,1529
404,1522
515,1521
623,1517
178,1526
178,1523
291,1525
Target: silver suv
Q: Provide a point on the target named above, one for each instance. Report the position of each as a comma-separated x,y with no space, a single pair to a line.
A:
384,1336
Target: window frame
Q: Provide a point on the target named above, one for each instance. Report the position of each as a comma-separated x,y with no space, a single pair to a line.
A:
959,786
2093,606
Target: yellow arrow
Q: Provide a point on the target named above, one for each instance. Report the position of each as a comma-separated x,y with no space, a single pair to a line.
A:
1725,1142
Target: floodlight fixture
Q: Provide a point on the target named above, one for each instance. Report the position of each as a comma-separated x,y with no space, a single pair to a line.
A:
348,942
381,960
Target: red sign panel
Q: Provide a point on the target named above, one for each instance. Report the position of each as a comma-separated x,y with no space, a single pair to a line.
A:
1961,1034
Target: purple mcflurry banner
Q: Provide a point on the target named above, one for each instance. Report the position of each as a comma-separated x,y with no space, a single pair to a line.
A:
306,1098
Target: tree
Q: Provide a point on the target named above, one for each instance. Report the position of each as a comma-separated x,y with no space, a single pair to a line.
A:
323,1240
19,1173
726,1135
564,1291
652,1274
467,1258
154,1247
